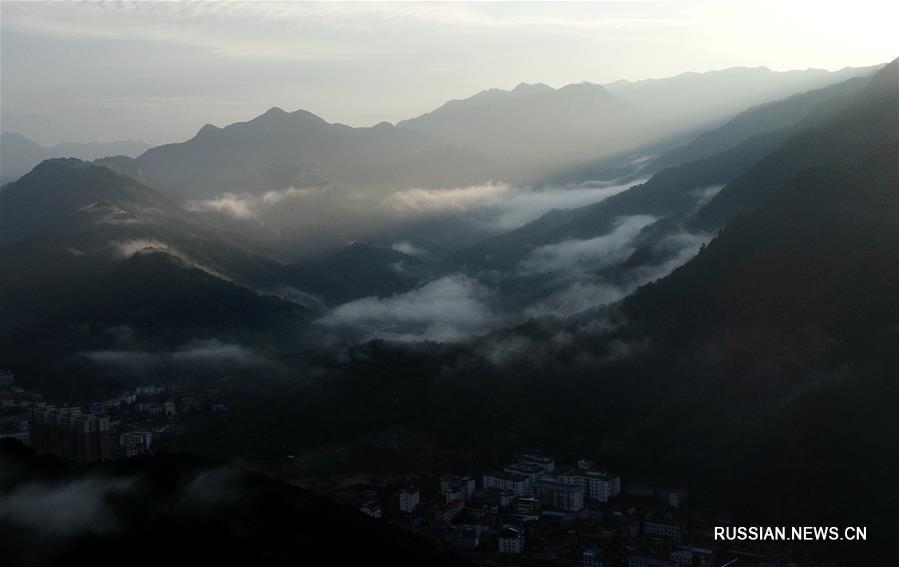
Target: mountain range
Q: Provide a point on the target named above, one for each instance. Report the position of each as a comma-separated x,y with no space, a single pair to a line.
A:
521,135
712,161
762,369
18,154
692,98
736,318
533,129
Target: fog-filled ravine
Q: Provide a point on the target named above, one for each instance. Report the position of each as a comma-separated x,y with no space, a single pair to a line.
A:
301,234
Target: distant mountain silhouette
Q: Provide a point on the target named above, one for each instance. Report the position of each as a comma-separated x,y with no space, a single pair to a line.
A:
18,154
691,100
521,135
671,192
277,150
792,111
868,123
533,129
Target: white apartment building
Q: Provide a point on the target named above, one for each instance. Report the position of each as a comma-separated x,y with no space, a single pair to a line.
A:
517,483
135,443
533,471
663,528
559,496
598,485
455,487
545,463
410,498
510,540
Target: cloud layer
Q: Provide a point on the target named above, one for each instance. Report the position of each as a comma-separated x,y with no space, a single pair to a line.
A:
500,206
198,356
245,206
593,253
64,509
445,309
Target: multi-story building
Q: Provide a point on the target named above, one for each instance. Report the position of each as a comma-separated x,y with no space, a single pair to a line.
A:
626,521
510,540
528,505
20,436
463,537
148,390
502,498
518,484
533,471
559,496
545,463
409,499
455,487
480,507
151,408
84,438
673,497
448,511
135,443
663,525
598,485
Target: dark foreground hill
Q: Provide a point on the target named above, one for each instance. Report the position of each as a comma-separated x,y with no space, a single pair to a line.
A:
86,251
181,510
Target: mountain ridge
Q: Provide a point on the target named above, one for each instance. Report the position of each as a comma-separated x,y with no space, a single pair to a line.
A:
20,154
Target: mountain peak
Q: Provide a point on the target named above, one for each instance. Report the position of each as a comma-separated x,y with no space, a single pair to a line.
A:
531,88
16,136
274,113
62,163
208,129
584,87
306,116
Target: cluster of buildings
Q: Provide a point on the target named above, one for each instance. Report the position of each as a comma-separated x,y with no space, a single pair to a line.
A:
125,425
534,510
105,432
69,433
14,401
564,489
134,443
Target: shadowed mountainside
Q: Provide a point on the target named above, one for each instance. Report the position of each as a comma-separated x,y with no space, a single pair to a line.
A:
151,510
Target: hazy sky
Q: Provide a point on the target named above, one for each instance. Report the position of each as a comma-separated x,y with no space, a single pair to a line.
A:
159,71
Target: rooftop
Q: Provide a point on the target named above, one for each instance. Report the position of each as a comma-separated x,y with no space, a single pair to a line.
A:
506,475
556,486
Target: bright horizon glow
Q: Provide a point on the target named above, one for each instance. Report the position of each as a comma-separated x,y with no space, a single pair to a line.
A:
159,71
